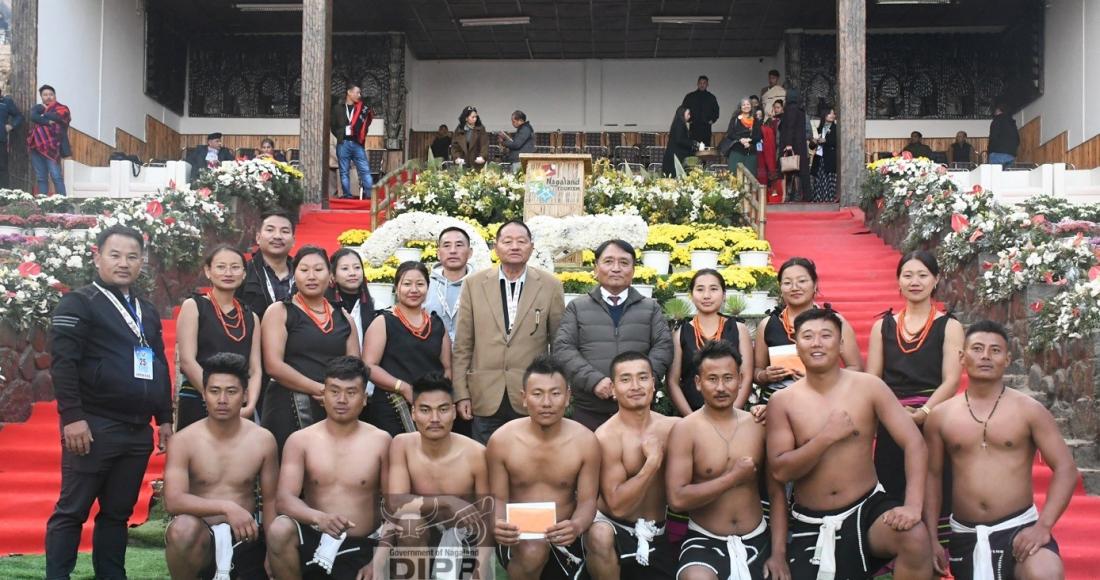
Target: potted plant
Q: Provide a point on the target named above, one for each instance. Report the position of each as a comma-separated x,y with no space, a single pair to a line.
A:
679,283
380,285
407,254
11,224
739,281
762,298
704,252
678,309
40,226
657,253
645,278
753,252
575,283
735,304
354,237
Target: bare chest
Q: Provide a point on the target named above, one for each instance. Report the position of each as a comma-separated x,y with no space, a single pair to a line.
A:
350,467
557,468
226,468
712,455
453,476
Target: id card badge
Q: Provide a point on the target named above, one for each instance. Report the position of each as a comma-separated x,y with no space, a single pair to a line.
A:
347,130
143,363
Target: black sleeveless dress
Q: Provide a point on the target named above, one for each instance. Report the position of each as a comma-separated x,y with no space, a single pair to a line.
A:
913,378
407,358
308,351
190,406
774,335
730,334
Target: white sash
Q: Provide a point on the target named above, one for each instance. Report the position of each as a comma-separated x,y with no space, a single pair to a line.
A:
983,553
127,315
825,550
644,531
735,548
223,550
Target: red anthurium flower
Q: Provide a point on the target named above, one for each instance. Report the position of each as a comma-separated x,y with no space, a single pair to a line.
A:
265,176
959,222
204,193
977,234
977,189
169,220
1037,306
880,203
987,265
1094,272
928,199
29,269
1078,239
906,155
154,208
1048,277
171,184
59,287
1038,219
1016,266
1076,312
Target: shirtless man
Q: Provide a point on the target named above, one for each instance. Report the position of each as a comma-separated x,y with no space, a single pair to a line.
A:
437,464
329,485
715,466
627,539
990,434
544,457
210,478
820,433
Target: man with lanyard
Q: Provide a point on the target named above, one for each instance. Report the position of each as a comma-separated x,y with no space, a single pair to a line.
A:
515,310
269,278
351,118
110,377
445,286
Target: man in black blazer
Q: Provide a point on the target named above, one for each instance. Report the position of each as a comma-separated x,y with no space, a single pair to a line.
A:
209,157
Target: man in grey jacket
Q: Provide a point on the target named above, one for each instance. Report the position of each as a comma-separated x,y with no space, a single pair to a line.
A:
524,139
609,320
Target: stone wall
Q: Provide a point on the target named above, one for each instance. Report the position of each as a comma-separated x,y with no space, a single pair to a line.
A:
25,364
1065,378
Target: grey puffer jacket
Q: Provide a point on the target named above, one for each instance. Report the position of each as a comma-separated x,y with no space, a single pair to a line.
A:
587,341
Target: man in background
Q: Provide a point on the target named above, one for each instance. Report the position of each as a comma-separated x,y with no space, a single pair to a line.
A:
11,118
209,157
1004,137
772,93
524,139
704,110
351,117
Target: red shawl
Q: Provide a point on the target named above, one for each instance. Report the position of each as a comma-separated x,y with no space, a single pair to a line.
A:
46,139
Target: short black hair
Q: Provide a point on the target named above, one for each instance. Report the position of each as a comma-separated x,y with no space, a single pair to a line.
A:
410,266
702,78
924,257
433,382
46,88
621,244
916,134
518,114
311,250
119,230
225,363
453,229
714,350
544,364
514,223
773,73
629,356
988,326
777,102
278,213
818,314
350,84
347,368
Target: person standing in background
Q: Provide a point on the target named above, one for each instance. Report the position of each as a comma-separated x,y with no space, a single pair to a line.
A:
772,93
742,137
793,138
704,109
680,145
11,118
524,139
441,145
470,143
48,140
828,137
350,120
1004,137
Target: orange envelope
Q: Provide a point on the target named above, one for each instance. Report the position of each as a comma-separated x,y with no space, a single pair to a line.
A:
786,356
532,518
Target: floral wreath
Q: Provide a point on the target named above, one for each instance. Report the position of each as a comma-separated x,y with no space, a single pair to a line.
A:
556,238
414,226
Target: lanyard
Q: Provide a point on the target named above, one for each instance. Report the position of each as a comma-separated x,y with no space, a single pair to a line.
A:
270,288
347,110
441,293
512,293
131,316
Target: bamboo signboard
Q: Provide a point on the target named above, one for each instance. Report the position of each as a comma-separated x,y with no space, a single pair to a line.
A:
554,184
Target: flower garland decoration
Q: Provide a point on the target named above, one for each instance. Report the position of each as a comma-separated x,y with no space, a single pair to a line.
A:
1072,314
262,183
896,183
1057,262
394,234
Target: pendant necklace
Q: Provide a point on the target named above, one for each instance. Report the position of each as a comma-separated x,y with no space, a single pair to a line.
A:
984,424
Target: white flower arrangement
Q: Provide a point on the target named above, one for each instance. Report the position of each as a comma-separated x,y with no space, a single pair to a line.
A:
27,296
1057,262
262,182
556,238
419,226
1069,315
897,183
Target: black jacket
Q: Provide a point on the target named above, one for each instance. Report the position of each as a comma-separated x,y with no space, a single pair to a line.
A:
197,158
736,132
704,112
253,293
9,115
1003,135
522,142
92,361
679,145
828,148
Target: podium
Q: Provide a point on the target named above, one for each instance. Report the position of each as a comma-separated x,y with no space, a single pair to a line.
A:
554,183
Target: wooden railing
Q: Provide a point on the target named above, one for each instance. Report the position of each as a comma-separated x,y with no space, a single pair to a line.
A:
383,195
755,203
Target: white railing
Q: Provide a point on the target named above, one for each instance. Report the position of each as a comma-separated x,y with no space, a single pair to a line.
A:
118,179
1076,185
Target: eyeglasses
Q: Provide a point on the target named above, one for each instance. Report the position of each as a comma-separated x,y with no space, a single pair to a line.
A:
231,268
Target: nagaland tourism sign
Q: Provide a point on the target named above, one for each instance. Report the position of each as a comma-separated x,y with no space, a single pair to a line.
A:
554,184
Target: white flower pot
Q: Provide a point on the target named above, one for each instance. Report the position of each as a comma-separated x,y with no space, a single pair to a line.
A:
381,293
735,292
408,255
41,232
79,233
644,289
753,258
686,297
759,302
10,230
658,260
569,297
701,259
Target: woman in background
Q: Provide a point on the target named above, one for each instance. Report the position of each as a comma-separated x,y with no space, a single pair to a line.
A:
743,135
267,151
825,180
470,142
680,146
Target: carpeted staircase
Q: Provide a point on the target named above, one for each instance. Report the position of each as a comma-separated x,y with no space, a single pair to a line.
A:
858,278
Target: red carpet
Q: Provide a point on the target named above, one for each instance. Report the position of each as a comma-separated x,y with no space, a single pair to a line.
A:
857,276
30,476
322,227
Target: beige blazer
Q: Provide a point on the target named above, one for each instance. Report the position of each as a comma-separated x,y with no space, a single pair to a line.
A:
485,361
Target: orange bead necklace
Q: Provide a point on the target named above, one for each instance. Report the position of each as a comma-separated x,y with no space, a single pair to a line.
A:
917,340
700,338
325,324
229,323
421,332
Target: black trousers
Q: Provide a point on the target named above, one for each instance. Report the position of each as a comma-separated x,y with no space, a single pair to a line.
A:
5,180
111,473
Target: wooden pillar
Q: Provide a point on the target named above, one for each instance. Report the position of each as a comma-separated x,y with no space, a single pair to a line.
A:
851,78
316,97
23,87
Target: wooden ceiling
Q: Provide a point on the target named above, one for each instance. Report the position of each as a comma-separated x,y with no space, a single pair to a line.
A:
568,29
